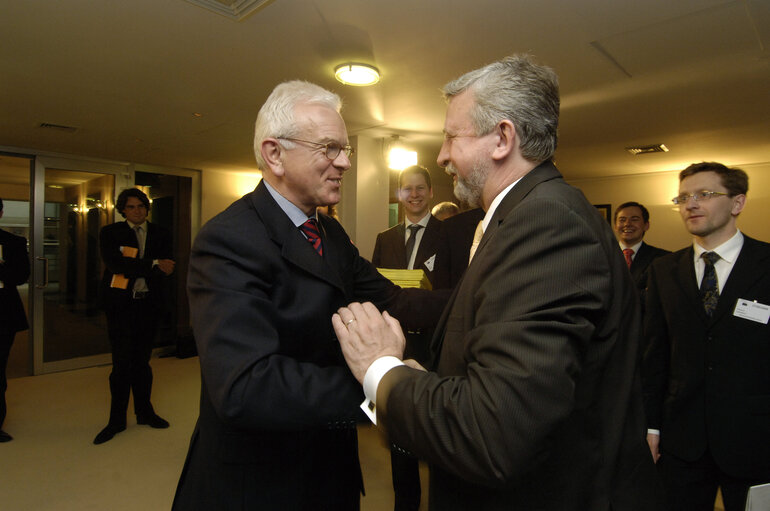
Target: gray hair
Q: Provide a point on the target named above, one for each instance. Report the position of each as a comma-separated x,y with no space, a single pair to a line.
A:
521,91
276,117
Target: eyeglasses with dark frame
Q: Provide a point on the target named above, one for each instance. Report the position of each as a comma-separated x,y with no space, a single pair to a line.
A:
331,149
703,195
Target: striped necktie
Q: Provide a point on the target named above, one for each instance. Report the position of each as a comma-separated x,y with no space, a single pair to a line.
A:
310,229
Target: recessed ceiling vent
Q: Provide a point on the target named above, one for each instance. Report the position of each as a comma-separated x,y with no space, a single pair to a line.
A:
60,127
234,9
645,149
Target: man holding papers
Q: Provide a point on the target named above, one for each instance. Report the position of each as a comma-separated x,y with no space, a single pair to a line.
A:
137,256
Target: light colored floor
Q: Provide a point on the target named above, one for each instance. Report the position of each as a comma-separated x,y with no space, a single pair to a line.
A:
52,464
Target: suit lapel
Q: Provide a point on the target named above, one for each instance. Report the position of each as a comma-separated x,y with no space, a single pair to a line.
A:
427,243
748,269
399,245
294,246
684,276
543,172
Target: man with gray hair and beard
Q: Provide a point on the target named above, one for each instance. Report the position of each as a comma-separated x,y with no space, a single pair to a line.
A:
534,401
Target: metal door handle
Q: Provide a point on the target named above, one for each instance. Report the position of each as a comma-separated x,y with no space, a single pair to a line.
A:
45,272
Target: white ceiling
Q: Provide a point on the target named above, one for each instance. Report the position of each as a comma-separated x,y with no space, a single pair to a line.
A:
130,74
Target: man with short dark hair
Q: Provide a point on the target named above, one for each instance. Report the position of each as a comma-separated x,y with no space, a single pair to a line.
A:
410,245
14,271
632,221
535,400
706,377
138,257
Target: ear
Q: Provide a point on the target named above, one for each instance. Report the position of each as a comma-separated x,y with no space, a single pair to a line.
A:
506,141
271,151
739,201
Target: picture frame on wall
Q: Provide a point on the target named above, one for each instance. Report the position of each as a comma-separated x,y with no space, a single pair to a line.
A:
605,210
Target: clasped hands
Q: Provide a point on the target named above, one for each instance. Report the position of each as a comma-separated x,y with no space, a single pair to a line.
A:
365,335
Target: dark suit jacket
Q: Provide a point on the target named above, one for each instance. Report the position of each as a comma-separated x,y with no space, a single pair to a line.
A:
536,401
157,246
707,381
641,263
278,403
390,249
14,272
454,247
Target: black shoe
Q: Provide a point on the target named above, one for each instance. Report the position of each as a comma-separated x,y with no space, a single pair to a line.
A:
107,433
5,437
154,421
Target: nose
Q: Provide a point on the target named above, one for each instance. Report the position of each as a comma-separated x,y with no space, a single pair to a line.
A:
342,161
443,155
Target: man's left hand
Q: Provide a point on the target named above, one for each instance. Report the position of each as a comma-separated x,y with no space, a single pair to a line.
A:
366,335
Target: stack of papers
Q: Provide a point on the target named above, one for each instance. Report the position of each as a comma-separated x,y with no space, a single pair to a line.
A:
406,278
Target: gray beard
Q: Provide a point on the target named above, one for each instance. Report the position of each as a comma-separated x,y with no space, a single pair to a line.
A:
469,190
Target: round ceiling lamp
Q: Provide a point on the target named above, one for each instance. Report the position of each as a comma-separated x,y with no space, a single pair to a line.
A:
357,74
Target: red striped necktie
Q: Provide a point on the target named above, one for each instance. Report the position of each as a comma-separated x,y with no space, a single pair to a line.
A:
310,229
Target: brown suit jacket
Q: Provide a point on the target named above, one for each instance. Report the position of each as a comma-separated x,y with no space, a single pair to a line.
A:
536,401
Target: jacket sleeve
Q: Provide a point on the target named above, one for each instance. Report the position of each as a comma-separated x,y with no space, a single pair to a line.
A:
655,365
115,261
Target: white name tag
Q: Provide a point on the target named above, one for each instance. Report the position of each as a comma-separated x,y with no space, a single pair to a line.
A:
430,261
753,311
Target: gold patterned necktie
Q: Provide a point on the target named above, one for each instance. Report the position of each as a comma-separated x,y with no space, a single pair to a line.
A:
477,235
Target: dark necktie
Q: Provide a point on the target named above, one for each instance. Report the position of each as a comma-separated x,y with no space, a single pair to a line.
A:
709,286
627,253
410,242
310,228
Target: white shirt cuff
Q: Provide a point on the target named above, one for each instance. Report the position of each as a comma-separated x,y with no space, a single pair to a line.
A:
653,432
375,373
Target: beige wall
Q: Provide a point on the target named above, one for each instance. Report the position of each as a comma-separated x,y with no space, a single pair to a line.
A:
656,190
222,188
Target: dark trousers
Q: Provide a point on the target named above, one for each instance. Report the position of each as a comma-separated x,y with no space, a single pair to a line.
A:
132,333
6,340
406,480
692,486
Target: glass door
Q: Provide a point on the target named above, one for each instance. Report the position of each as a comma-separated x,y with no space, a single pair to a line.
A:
70,206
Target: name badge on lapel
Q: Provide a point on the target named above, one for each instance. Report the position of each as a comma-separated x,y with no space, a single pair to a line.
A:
752,310
429,262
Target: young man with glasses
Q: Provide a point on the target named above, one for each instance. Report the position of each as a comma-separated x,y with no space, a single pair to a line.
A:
706,371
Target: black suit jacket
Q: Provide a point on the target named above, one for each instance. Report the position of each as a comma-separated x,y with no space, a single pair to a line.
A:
641,264
390,249
454,247
13,272
535,402
707,381
157,246
279,405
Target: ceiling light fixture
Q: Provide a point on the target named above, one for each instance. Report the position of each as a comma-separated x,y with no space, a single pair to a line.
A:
359,75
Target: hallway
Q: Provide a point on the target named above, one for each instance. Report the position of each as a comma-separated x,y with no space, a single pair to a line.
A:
52,465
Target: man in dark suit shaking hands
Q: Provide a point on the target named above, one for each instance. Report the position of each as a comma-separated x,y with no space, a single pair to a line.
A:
535,400
137,257
279,407
14,271
707,367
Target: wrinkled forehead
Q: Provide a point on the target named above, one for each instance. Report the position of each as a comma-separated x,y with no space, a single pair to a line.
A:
320,122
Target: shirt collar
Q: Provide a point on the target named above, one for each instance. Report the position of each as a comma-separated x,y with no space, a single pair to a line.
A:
423,221
727,251
496,202
296,215
132,225
635,248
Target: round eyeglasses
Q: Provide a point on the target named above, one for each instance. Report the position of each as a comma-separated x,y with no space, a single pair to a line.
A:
331,149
